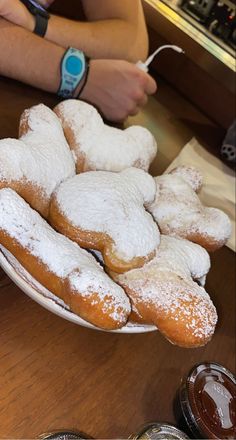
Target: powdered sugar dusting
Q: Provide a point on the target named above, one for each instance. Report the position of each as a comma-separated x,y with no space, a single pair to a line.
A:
190,174
112,203
143,182
188,302
178,211
43,122
166,284
61,256
95,281
185,259
106,148
42,156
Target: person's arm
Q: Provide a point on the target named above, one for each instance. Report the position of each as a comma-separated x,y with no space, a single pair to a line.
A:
115,29
117,88
29,58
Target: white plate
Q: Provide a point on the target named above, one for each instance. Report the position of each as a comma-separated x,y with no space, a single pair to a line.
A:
46,299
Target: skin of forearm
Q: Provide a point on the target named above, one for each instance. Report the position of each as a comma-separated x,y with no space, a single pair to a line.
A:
23,56
113,38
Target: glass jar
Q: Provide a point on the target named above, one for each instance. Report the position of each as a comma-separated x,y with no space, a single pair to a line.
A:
208,402
157,431
64,435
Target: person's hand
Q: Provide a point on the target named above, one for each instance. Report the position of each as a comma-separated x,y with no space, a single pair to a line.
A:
117,88
15,12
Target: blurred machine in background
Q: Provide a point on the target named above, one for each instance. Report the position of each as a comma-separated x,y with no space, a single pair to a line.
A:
218,16
206,30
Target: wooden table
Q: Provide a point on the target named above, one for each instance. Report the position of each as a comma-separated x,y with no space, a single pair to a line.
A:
55,374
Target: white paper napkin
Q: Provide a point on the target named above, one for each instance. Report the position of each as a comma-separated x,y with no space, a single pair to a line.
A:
218,190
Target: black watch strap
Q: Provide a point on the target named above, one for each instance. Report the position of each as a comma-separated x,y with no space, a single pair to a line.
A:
41,24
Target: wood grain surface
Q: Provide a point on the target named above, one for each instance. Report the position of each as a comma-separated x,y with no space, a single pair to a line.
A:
55,374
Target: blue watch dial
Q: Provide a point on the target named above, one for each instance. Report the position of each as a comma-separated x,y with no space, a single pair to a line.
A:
74,65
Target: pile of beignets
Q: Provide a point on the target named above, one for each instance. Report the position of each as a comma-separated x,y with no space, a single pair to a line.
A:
81,214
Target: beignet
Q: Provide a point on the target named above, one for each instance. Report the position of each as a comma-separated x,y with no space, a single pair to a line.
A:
179,212
35,164
97,146
164,293
60,265
105,211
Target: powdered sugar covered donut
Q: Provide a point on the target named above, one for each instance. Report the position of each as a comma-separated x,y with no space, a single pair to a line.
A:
163,292
179,212
97,146
34,165
60,265
190,174
105,211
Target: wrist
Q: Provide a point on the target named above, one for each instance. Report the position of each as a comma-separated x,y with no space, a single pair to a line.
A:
79,92
21,17
74,73
29,22
35,17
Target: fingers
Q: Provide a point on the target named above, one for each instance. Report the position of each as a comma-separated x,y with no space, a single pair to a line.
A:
140,99
146,82
134,111
118,88
143,100
121,115
134,104
143,81
150,86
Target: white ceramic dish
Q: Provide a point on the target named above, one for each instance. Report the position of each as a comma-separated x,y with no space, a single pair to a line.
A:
49,301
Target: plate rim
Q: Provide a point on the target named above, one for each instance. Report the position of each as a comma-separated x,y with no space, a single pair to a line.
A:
53,307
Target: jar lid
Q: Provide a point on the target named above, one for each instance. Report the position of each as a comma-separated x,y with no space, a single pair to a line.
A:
156,431
63,435
208,401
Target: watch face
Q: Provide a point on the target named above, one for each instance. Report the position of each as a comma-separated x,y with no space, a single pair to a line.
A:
74,65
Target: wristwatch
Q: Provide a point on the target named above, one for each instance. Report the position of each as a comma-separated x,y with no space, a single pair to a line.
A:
74,66
41,16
